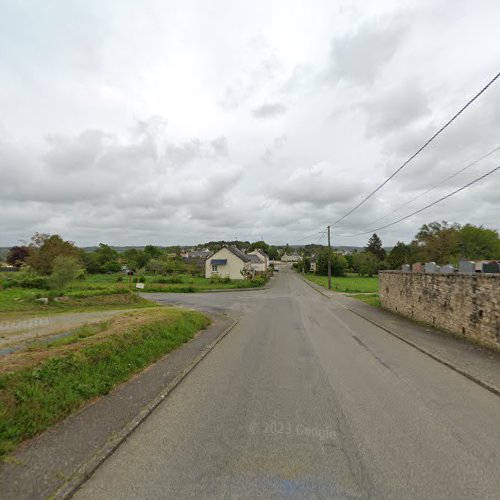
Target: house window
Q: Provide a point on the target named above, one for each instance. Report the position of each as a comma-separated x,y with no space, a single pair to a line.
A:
214,268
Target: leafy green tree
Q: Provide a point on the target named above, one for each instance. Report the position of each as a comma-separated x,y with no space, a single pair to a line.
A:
438,242
400,254
375,247
152,251
45,248
65,269
366,263
136,259
261,245
304,264
158,266
104,259
17,256
273,253
339,264
477,243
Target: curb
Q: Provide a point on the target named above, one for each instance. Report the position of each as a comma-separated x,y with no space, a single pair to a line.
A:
485,385
85,471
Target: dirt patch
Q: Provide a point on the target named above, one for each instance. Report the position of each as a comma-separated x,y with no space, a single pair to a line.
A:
36,353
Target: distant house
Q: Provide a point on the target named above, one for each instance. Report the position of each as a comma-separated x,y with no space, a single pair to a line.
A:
196,254
263,257
293,257
314,264
229,261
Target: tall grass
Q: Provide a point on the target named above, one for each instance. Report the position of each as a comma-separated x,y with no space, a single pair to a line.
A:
33,399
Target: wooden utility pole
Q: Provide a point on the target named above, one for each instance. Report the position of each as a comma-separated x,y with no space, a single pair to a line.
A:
329,261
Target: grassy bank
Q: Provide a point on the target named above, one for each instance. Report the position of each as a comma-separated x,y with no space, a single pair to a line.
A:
347,284
103,291
44,384
190,284
15,301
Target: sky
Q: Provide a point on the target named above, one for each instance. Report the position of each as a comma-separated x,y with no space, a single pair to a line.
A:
177,122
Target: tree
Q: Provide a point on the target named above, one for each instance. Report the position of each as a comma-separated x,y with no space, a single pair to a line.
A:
17,256
375,247
45,248
339,264
438,242
476,243
65,269
304,264
152,251
366,263
261,245
273,253
103,260
400,254
136,259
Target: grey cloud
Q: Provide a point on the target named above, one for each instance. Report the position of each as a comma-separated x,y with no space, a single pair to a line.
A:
395,108
269,110
360,57
320,185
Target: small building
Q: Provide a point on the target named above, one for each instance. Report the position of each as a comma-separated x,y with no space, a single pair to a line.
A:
314,264
262,256
257,263
230,262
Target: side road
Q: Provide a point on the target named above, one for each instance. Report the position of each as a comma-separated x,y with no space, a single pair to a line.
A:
57,461
474,362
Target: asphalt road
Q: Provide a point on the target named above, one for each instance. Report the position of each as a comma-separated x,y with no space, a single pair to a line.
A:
304,399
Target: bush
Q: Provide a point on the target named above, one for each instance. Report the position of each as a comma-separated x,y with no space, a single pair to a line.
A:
64,270
119,279
339,263
174,280
28,282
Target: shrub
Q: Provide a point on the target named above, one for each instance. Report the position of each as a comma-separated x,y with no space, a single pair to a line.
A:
28,282
119,279
65,269
174,280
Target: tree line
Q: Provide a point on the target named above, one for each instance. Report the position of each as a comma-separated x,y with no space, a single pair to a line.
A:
440,242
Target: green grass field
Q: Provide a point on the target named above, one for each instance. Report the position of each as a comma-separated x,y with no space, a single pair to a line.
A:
53,380
347,284
105,291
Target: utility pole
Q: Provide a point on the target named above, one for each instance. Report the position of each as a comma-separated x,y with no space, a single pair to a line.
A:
329,261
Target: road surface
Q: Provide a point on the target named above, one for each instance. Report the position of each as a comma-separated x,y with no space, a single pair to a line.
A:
304,399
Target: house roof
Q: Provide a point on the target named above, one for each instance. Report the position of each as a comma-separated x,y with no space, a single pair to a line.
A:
236,251
254,258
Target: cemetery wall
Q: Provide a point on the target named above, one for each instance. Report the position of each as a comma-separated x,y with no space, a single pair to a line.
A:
466,304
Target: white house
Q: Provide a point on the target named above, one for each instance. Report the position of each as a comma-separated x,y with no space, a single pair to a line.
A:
257,262
263,257
293,257
228,261
314,264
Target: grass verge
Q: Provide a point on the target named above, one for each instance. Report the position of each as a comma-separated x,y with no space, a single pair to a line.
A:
91,364
18,302
347,284
372,299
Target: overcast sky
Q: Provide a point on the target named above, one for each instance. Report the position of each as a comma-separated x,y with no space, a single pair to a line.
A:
164,122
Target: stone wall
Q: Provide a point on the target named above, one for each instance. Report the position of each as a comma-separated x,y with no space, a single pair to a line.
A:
467,304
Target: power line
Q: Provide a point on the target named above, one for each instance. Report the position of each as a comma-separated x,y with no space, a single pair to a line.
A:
475,162
427,206
445,126
309,236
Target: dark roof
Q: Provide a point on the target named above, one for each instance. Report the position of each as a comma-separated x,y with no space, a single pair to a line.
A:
254,258
244,257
